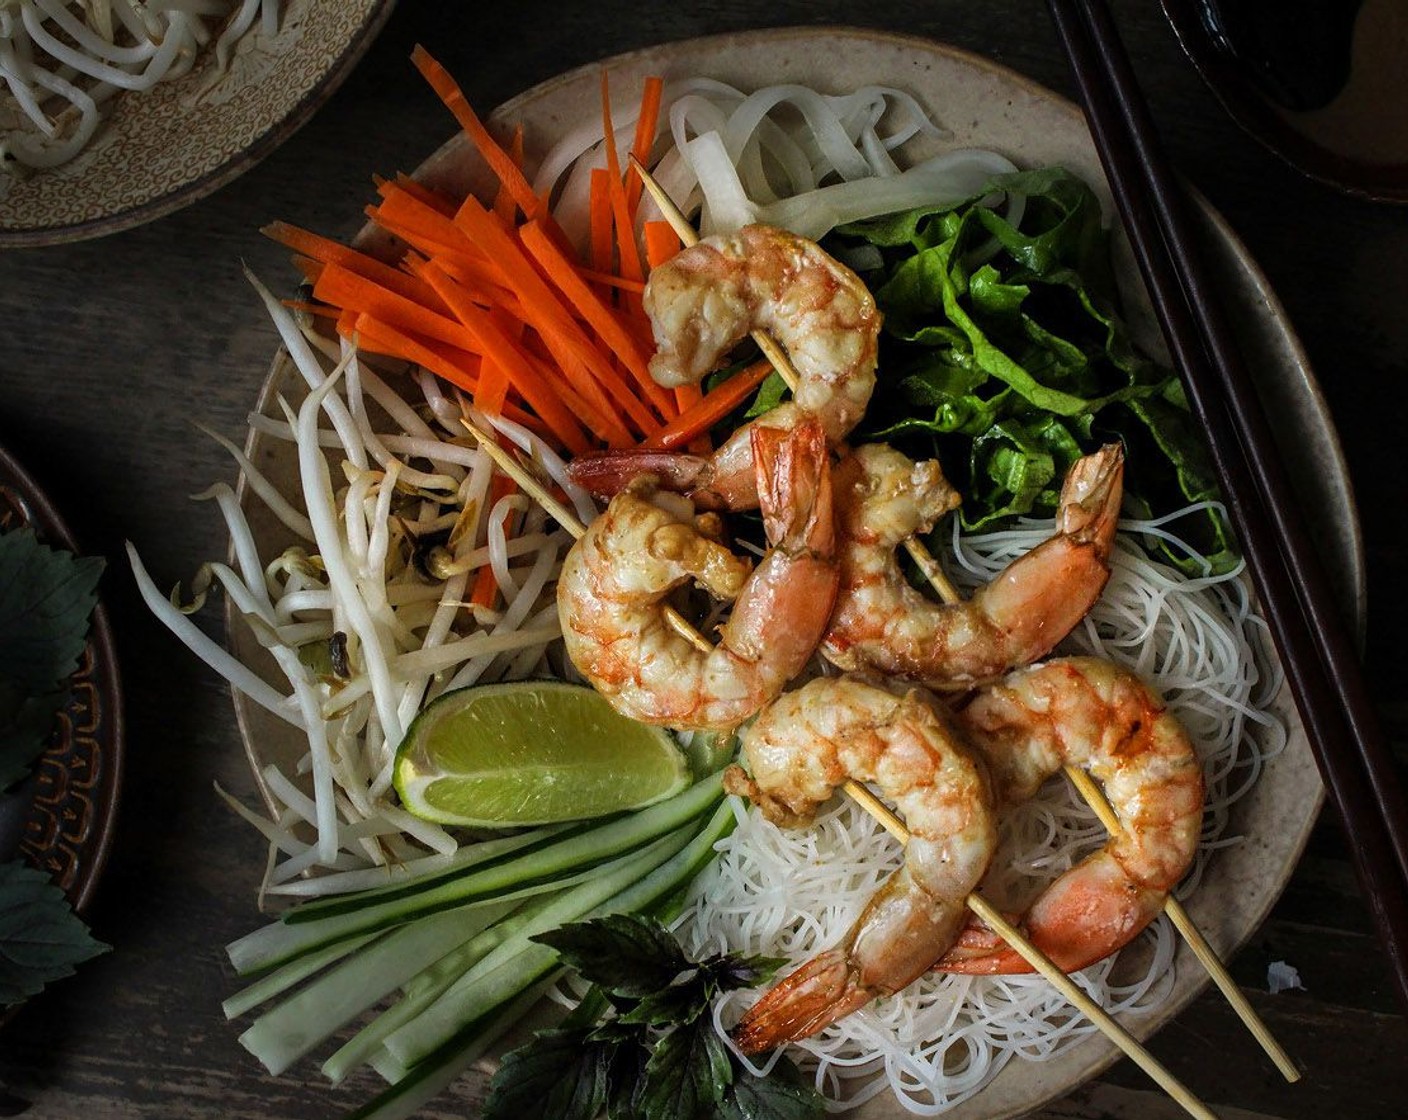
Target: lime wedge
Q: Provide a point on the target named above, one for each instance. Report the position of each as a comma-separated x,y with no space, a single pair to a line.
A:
532,752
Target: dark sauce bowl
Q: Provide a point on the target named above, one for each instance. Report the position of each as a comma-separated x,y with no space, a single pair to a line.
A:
1322,83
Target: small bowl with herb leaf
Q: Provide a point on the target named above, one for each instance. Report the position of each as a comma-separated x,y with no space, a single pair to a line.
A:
60,742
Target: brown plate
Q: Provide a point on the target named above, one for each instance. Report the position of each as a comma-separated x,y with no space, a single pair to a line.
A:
164,148
984,105
61,818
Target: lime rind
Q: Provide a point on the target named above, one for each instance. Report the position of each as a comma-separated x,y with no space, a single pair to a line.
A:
531,753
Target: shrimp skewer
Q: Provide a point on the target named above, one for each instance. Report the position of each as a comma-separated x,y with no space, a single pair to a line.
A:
709,297
801,749
880,622
1095,715
616,579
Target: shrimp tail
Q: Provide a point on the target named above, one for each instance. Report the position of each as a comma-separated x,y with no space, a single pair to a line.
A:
1090,912
794,487
605,474
819,992
1090,499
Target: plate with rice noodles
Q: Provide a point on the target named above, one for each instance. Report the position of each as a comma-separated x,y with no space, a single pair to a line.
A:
969,1047
107,122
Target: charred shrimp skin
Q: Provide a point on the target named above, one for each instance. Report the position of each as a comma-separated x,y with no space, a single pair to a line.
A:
800,750
1096,715
883,624
711,296
615,582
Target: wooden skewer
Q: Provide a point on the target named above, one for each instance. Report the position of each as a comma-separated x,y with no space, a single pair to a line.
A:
892,824
1088,789
1043,964
1196,941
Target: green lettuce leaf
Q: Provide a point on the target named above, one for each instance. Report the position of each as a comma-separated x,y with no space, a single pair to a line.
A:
1004,355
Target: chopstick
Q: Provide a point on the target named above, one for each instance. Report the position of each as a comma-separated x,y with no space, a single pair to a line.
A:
1314,644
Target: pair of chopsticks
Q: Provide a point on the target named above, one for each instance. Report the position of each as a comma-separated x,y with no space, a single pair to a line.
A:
1314,643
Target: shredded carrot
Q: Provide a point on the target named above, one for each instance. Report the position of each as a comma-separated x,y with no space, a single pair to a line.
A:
493,379
600,317
312,247
321,310
486,585
499,161
346,289
607,280
522,372
646,125
584,363
712,407
436,200
661,243
599,221
504,206
631,267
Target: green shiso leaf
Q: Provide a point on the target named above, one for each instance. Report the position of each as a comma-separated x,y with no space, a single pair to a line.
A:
41,940
46,598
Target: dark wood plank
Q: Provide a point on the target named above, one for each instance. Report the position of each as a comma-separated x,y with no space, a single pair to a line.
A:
110,350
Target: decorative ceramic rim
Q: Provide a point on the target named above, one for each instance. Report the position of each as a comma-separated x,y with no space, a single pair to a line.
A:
69,827
1379,182
277,131
450,167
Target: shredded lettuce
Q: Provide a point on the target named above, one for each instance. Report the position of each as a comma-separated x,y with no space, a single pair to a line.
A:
1005,357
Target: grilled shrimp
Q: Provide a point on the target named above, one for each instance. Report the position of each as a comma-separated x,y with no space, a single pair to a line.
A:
882,623
615,581
708,298
800,750
1096,715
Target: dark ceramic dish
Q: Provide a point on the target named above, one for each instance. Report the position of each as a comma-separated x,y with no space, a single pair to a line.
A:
1322,83
61,818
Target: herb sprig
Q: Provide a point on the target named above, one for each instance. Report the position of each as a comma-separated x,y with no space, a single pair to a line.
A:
642,1045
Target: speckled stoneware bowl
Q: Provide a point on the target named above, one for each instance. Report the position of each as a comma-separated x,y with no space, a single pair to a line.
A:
163,148
984,105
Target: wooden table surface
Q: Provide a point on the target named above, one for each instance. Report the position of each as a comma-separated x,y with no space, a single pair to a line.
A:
111,351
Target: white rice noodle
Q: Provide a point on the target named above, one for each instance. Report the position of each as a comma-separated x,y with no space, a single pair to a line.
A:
794,893
784,155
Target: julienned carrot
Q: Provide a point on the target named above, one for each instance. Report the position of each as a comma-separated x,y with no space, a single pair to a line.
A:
456,366
486,585
321,310
522,373
562,272
493,378
599,220
608,280
499,161
346,289
436,200
712,407
646,125
661,243
504,206
631,267
581,360
326,251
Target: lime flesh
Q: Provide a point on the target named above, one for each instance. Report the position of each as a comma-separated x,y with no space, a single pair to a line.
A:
532,752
